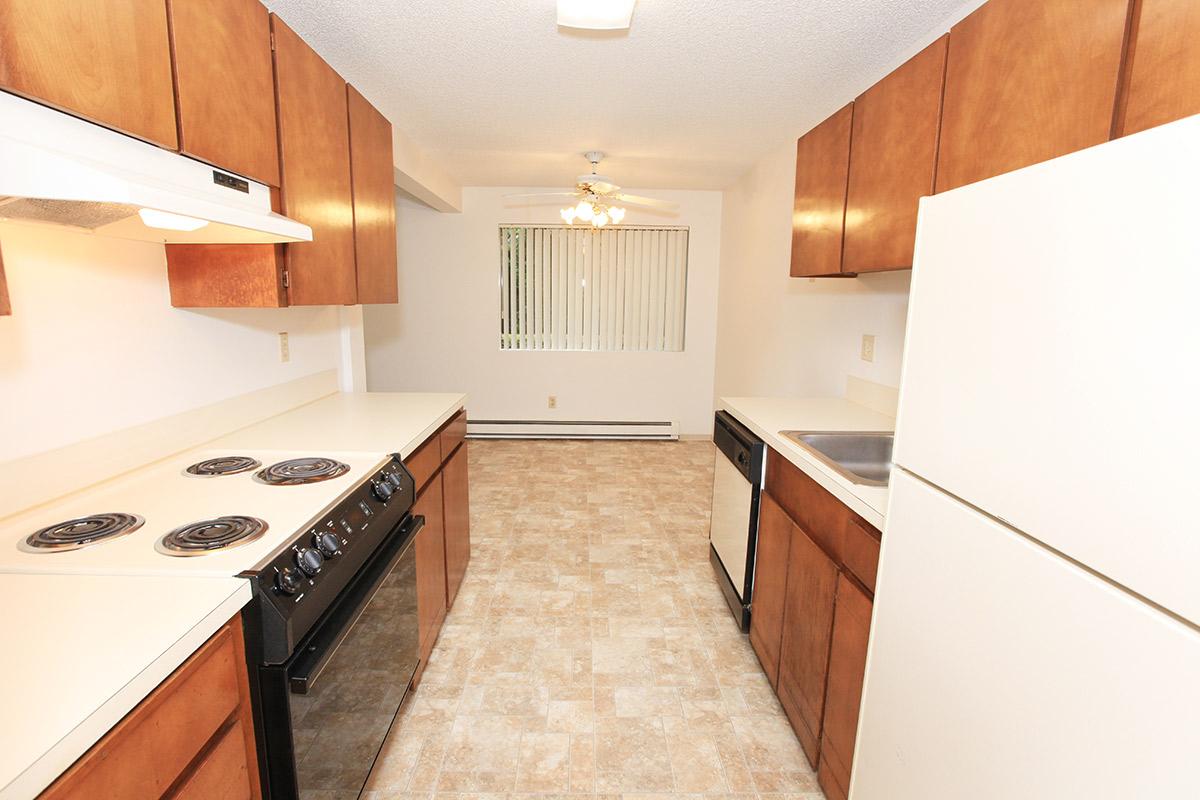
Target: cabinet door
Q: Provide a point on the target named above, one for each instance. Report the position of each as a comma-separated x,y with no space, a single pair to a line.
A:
775,531
108,61
225,86
893,155
822,169
372,168
314,149
431,565
1163,69
847,663
804,654
1026,82
456,489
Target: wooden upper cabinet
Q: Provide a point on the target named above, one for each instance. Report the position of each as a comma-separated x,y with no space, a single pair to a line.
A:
225,85
804,653
1027,81
314,145
775,531
1162,73
893,155
5,305
822,167
108,61
371,166
847,666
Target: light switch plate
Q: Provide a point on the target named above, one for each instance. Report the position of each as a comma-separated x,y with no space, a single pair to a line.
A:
868,347
285,351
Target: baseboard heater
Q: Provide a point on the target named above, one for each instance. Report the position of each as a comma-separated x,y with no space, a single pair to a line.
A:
554,429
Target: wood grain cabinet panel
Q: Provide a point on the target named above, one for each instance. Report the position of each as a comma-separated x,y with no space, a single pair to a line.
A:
775,531
195,729
108,61
431,566
847,666
1162,73
5,304
818,215
425,460
804,652
314,145
893,156
374,187
225,85
456,492
1027,81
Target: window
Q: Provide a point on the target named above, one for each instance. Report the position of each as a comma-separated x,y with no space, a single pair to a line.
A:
564,288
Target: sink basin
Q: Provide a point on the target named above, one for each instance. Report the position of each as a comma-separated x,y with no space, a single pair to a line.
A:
863,457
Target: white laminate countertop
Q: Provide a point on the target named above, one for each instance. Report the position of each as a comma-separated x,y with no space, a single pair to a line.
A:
392,422
82,651
767,416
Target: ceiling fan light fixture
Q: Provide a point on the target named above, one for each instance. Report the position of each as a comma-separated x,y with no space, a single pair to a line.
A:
600,220
585,211
599,15
616,215
568,214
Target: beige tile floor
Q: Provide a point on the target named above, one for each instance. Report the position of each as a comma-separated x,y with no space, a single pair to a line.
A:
590,651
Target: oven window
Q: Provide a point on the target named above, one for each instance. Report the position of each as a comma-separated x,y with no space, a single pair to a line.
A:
339,727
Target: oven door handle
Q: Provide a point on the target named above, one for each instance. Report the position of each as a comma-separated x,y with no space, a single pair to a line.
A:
314,655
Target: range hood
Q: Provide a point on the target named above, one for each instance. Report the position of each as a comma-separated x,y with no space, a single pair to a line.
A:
60,170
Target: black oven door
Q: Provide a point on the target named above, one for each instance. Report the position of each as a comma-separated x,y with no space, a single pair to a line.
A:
327,710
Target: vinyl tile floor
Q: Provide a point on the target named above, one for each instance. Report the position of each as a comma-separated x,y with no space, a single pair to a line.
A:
589,651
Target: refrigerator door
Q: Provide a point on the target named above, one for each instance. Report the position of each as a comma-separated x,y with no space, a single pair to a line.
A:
1050,376
998,670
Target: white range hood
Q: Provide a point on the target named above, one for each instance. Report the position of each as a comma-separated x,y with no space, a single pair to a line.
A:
59,170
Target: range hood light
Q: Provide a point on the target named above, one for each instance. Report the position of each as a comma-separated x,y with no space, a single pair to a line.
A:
167,221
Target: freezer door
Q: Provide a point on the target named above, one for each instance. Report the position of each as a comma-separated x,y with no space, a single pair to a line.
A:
999,670
1049,369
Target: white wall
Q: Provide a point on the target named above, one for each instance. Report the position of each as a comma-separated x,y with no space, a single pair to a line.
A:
779,335
444,335
93,344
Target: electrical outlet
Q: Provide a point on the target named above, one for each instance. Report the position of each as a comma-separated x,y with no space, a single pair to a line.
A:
868,347
285,352
552,401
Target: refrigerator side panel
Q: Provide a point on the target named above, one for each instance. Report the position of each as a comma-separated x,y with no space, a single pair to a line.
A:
999,670
1050,373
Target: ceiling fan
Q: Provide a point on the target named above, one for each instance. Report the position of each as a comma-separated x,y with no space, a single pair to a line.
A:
598,198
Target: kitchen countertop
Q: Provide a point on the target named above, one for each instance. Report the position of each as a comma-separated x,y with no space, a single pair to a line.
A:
767,416
395,422
85,650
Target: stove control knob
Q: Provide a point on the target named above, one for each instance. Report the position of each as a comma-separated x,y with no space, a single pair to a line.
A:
394,479
309,560
382,490
328,544
288,581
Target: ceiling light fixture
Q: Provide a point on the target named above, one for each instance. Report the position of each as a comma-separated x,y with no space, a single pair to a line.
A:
165,220
592,210
600,15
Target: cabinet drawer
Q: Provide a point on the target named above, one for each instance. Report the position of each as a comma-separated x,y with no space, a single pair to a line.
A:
820,514
453,434
223,773
152,746
860,551
425,460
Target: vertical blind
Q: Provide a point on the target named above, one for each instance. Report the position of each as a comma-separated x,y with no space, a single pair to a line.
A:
566,288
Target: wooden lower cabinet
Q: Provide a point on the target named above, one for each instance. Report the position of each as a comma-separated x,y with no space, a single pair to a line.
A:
847,665
457,513
812,578
431,565
192,737
775,531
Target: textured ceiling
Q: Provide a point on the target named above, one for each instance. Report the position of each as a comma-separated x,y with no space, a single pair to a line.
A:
689,97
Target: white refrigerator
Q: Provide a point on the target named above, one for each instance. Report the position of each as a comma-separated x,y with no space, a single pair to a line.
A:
1035,631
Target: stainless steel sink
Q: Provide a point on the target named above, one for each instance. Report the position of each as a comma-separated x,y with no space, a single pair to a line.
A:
863,457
